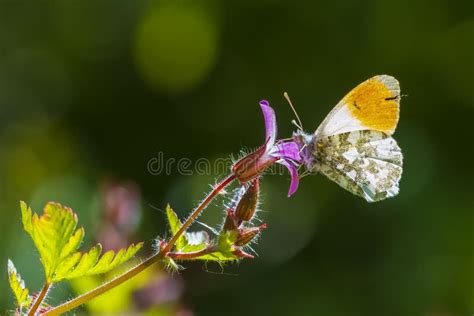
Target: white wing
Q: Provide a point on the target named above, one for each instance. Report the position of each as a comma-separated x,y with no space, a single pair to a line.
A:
367,163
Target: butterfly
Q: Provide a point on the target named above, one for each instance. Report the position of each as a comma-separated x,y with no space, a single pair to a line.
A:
353,146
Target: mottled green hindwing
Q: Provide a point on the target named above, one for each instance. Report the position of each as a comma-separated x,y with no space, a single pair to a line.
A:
367,163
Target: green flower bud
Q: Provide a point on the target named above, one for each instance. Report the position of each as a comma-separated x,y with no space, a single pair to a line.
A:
247,234
230,221
248,203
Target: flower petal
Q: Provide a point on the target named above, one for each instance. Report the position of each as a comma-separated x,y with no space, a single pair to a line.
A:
270,123
288,150
294,175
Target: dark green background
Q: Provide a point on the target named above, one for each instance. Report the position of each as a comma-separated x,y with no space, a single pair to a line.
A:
94,89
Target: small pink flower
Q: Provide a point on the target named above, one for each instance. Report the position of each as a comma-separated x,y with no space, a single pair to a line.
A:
286,153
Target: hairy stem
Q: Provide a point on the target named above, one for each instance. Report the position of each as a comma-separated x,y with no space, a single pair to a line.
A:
39,299
191,255
145,264
105,287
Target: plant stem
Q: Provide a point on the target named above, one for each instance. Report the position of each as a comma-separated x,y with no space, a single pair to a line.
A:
79,300
39,299
105,287
191,255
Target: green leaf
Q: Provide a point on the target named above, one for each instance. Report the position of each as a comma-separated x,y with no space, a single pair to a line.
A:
90,263
226,240
55,236
224,249
187,242
18,286
173,220
175,225
195,241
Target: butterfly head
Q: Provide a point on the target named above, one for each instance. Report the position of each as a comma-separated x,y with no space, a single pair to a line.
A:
307,148
304,140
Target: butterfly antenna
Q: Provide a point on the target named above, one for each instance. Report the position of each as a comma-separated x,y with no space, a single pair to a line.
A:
287,97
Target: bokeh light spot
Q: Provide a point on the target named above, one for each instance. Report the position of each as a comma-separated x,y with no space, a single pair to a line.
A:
175,47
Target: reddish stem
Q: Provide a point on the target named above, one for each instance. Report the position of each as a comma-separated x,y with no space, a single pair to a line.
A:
39,299
191,255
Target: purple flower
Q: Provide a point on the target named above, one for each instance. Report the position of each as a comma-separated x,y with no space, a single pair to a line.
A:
286,153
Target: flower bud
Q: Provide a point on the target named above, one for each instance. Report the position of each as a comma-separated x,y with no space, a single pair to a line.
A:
248,203
247,234
230,221
253,165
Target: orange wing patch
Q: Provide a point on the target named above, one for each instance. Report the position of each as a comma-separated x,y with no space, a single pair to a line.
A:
376,103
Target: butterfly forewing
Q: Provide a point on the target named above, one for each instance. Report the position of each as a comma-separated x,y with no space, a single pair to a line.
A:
367,163
372,105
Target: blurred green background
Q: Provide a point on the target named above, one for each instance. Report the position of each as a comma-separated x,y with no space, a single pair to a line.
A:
90,91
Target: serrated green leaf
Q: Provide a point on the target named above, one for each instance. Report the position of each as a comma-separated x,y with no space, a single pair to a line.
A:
91,263
26,214
223,251
188,242
18,286
173,220
224,248
55,236
73,243
175,225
